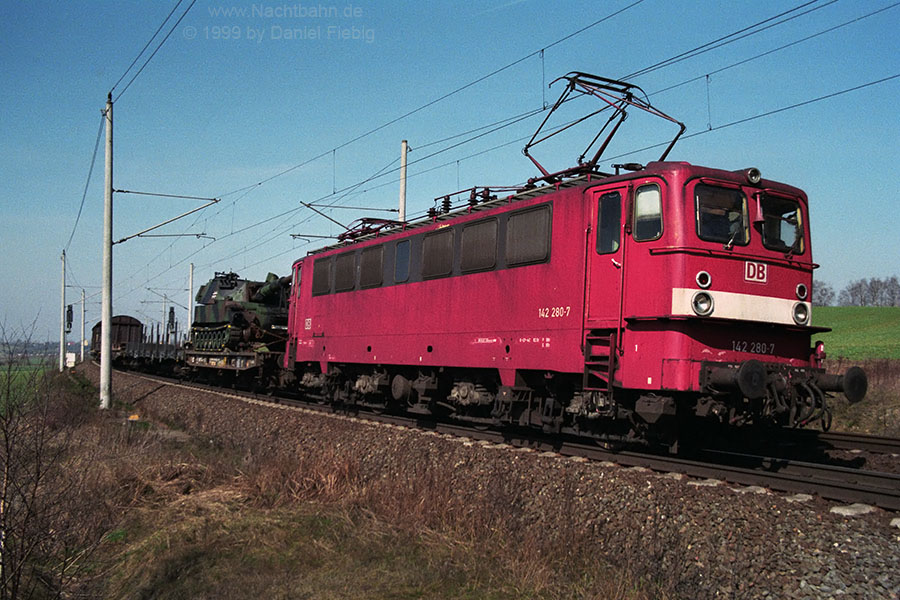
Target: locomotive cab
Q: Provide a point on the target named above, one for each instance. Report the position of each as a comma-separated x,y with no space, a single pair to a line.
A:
714,273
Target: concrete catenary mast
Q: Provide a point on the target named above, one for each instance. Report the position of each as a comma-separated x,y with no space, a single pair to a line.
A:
106,318
62,316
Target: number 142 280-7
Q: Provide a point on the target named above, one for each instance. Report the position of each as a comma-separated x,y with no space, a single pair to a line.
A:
554,312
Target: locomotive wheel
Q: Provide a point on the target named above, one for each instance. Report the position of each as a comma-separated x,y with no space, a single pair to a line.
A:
402,390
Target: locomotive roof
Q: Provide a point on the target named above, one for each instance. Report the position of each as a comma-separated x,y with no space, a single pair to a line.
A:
593,178
461,211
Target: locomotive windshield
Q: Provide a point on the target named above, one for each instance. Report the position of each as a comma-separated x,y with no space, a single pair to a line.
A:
722,215
782,225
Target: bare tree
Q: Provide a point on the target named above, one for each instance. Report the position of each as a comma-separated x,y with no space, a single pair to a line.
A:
891,292
871,292
855,294
44,529
822,294
874,291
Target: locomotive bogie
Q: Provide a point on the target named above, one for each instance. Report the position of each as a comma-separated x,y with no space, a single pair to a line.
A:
231,361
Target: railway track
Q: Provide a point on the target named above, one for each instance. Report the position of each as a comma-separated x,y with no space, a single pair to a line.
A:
776,473
843,441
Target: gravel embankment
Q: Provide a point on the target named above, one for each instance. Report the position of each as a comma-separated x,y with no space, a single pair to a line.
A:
713,540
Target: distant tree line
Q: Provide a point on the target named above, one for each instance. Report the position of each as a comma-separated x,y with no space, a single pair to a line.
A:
862,292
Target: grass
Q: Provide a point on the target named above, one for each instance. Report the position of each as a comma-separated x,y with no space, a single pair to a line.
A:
868,337
198,519
860,332
196,526
20,373
222,548
879,411
195,518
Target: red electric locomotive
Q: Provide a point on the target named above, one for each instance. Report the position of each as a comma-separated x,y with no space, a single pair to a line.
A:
620,305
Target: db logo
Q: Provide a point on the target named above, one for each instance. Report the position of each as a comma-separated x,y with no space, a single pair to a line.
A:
755,272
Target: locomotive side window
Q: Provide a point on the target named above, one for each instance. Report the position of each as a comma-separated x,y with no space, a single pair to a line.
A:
371,267
479,246
322,276
721,215
437,254
344,272
647,213
609,222
528,236
782,228
401,262
296,283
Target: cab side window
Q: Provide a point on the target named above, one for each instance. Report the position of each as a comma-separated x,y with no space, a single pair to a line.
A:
609,222
647,213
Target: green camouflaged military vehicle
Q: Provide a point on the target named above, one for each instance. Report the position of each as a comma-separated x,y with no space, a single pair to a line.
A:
239,324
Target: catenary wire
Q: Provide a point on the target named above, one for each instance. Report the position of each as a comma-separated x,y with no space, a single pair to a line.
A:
516,118
147,45
437,100
86,183
248,188
667,62
730,38
147,62
766,114
684,56
703,132
778,49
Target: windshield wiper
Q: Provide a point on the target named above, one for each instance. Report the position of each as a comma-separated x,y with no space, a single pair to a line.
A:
730,244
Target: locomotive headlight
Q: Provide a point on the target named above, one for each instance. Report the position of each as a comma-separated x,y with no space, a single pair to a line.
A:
703,279
801,314
702,303
802,291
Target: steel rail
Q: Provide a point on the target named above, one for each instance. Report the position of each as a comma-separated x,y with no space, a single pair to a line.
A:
836,440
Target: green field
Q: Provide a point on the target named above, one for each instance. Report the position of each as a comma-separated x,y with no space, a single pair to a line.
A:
859,332
20,374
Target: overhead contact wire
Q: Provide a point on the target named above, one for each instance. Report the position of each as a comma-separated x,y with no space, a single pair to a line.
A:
147,62
87,183
668,62
147,45
730,38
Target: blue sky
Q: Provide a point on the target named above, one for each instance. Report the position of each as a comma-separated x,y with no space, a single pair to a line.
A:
232,99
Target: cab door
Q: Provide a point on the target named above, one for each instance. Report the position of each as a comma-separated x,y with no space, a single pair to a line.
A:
605,250
604,280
